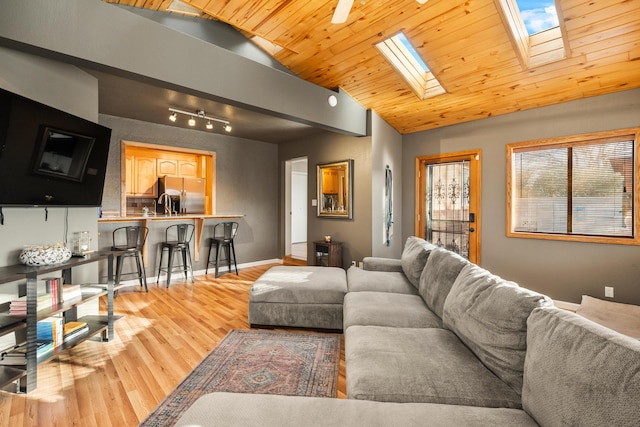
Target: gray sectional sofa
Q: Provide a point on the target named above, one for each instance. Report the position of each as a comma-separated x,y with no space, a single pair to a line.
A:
432,339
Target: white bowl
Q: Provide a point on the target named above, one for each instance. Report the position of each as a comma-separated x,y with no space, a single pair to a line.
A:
45,255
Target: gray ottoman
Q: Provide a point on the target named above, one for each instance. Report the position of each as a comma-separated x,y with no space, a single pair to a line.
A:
303,297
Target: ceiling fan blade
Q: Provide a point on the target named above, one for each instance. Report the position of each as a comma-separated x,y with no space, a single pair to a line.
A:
342,11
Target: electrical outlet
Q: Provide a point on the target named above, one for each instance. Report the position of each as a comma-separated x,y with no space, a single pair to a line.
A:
608,291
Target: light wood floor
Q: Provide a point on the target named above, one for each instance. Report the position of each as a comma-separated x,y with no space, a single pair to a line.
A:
163,335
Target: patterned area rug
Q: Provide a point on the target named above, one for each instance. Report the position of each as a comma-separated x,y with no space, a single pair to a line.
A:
260,362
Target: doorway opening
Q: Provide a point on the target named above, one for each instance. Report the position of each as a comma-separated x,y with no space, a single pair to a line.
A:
296,183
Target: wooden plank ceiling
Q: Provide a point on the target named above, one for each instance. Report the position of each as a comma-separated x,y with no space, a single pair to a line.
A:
465,43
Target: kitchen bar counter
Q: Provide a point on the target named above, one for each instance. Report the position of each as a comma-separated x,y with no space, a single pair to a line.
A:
198,222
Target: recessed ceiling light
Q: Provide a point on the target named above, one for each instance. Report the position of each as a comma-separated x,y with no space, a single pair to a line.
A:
332,100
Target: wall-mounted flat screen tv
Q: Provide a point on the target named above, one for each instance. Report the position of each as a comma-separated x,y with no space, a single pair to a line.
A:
49,157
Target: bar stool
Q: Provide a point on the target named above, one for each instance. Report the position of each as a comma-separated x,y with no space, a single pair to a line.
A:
130,239
177,238
223,235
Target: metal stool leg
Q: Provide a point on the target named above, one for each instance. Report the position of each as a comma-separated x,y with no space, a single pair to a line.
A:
233,249
160,264
142,275
217,257
169,266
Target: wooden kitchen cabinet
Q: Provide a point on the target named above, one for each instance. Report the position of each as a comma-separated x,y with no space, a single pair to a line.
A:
181,168
141,176
330,182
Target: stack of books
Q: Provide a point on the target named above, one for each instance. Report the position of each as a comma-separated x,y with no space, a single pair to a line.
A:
73,330
70,292
18,307
17,355
51,329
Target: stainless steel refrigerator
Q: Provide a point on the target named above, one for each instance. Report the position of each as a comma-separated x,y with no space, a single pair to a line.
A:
189,191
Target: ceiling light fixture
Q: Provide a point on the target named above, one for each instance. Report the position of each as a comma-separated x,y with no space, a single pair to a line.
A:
332,100
200,114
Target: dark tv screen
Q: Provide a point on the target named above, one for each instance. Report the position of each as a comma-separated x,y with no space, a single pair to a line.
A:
49,157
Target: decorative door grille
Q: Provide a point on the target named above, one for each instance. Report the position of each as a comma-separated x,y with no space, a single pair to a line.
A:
447,210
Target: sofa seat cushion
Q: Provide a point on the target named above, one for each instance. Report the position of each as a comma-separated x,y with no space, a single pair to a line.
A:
439,274
414,257
388,309
419,365
379,281
579,373
306,297
264,410
489,315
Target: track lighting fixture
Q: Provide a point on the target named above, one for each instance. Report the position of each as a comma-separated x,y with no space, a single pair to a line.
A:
201,115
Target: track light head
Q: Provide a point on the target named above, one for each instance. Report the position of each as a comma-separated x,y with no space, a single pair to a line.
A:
200,114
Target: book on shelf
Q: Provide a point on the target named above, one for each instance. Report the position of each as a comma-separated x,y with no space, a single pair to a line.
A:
71,327
18,355
70,292
18,306
14,356
44,348
77,331
51,329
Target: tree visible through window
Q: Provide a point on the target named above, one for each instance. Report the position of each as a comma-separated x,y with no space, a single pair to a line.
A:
578,188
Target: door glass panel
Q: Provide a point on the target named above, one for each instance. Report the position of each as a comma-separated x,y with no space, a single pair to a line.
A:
447,206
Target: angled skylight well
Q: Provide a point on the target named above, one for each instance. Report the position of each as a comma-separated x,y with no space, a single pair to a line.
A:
535,30
404,57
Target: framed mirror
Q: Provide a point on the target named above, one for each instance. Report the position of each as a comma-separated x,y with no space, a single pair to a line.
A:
335,189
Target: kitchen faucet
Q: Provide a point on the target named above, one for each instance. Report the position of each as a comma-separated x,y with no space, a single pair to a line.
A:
167,203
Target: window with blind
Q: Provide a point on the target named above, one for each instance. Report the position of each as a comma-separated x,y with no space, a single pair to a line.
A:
574,188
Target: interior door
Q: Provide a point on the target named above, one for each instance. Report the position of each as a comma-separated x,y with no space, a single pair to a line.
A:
448,202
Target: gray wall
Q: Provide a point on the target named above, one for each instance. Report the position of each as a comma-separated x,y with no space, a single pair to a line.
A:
246,182
76,31
562,270
67,88
386,145
354,233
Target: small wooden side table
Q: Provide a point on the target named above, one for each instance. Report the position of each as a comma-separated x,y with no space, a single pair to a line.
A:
328,254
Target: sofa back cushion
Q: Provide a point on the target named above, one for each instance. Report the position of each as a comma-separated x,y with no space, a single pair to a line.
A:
439,274
580,373
489,315
414,257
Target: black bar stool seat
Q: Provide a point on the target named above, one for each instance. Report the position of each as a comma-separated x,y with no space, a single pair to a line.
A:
223,235
177,239
130,239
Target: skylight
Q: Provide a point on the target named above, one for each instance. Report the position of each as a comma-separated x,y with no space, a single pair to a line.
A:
399,51
536,31
538,15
